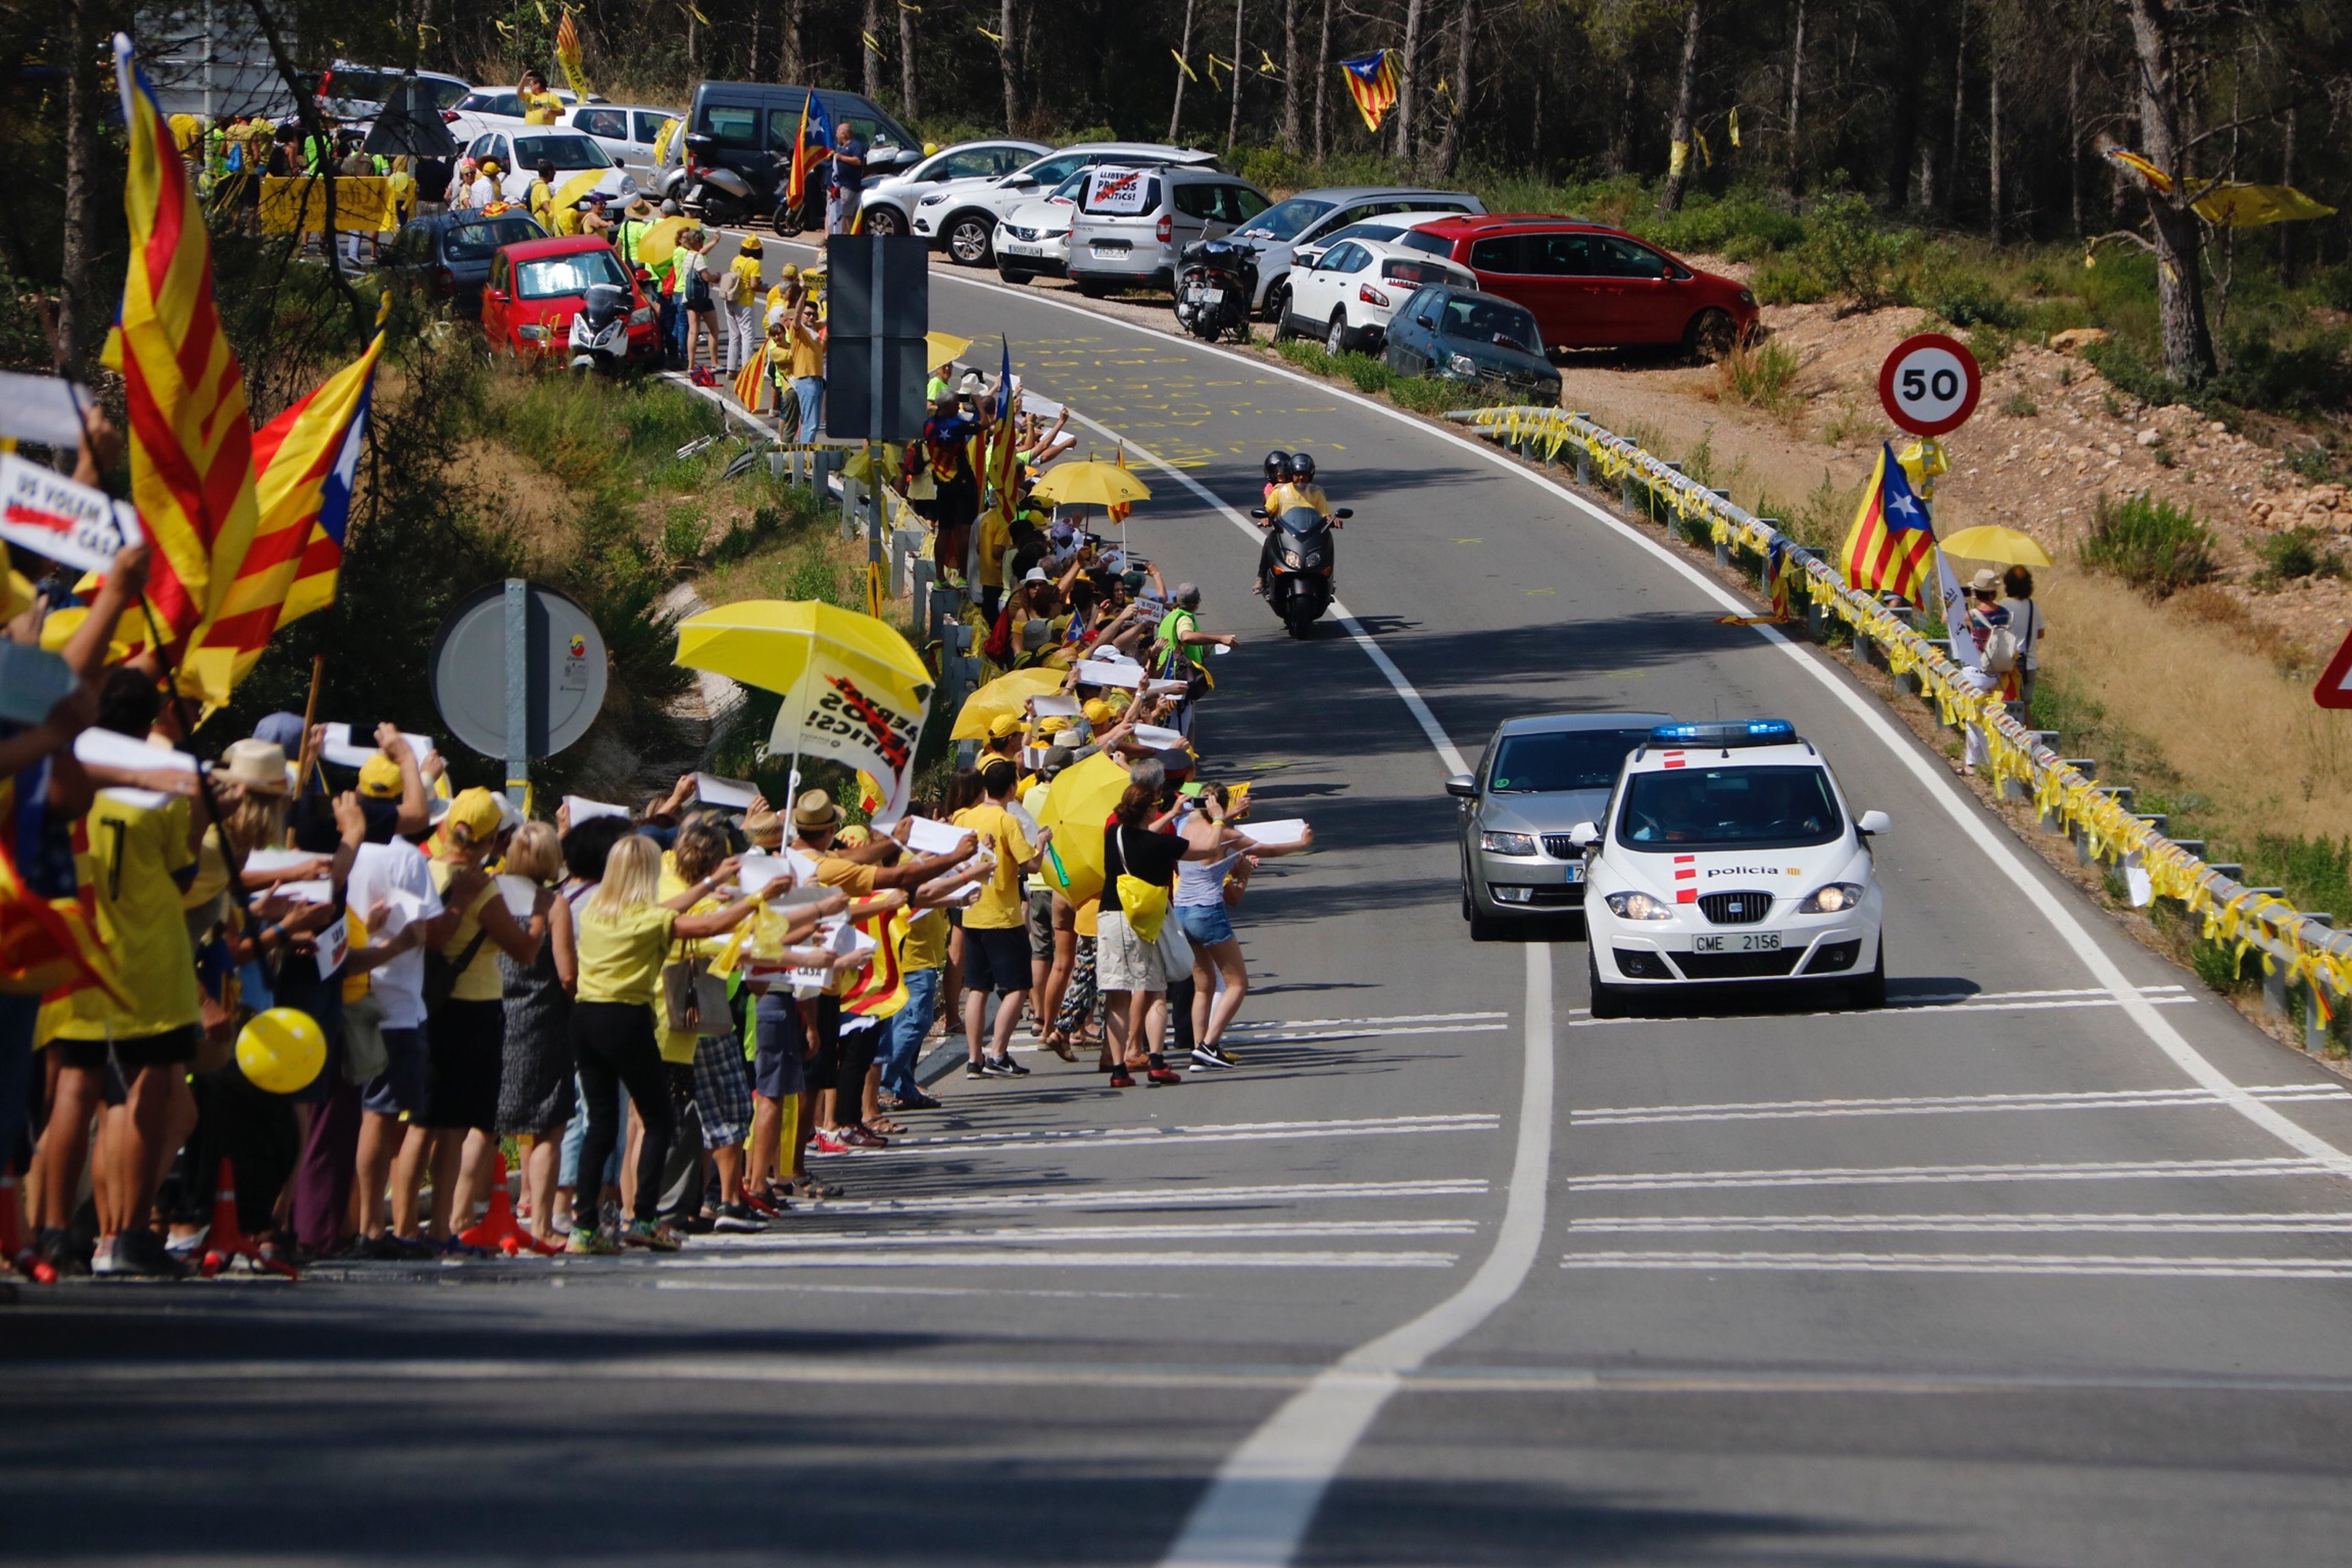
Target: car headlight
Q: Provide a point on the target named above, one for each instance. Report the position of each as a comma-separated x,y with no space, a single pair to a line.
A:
1508,843
642,314
1462,365
531,335
932,201
1834,900
1638,906
1748,296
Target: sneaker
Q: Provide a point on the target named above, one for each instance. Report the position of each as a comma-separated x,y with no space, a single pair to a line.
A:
139,1252
461,1249
55,1249
590,1244
737,1219
1005,1066
919,1101
1121,1079
828,1141
697,1224
102,1256
1214,1057
1164,1076
862,1137
653,1236
189,1247
975,1070
770,1205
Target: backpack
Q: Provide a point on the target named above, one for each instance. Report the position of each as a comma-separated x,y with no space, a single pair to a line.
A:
2001,651
729,289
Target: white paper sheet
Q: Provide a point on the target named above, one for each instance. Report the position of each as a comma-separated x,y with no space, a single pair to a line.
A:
263,862
346,752
585,810
1278,833
106,749
43,408
930,836
1158,738
1164,688
519,892
732,794
1101,672
758,871
1053,705
1220,649
318,892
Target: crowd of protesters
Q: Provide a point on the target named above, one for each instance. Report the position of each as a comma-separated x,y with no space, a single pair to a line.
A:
651,1014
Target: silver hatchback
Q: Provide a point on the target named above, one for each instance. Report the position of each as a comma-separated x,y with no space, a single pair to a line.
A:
1538,779
1132,223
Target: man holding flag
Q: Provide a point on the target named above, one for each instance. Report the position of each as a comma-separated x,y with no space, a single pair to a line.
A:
811,146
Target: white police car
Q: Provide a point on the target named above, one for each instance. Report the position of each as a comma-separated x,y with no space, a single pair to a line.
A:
1728,856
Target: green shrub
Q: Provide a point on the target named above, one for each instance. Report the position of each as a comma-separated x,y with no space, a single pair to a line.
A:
1970,300
2310,376
2315,873
2153,545
2218,966
1853,253
2313,464
2019,405
1790,282
1763,376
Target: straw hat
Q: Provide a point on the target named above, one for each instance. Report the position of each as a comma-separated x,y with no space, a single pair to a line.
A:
256,765
814,812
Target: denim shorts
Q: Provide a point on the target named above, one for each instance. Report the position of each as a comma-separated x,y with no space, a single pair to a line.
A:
1205,923
401,1086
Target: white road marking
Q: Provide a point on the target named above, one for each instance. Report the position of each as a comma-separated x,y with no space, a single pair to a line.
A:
2175,1224
1916,1176
1060,1235
1280,1024
1943,1105
2058,1003
1972,1263
1959,804
777,1287
1167,1137
1159,1197
1364,1033
1007,1258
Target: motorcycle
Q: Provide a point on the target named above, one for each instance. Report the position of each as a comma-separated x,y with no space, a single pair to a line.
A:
1296,567
600,333
712,193
1215,281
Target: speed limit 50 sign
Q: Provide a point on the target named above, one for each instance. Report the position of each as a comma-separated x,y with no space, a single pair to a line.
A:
1929,384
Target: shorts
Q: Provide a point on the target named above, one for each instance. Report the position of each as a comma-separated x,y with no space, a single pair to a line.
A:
995,960
819,1065
173,1048
779,1067
399,1089
722,1094
1206,924
1041,925
463,1059
1124,961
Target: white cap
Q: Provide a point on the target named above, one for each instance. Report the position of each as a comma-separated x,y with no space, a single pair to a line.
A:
775,315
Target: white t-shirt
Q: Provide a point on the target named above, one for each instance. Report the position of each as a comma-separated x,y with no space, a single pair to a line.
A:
397,874
2026,625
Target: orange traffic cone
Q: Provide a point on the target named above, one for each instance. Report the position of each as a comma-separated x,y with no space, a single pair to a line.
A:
226,1238
498,1230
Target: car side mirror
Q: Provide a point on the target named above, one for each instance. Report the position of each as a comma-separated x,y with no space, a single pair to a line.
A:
1871,824
1429,322
1465,785
1584,835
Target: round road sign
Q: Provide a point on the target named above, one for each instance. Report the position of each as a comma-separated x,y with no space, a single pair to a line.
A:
565,673
1930,384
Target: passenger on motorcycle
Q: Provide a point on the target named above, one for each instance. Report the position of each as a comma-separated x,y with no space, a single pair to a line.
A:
1293,487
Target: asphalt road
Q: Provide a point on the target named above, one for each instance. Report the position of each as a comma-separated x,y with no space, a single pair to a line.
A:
2046,1263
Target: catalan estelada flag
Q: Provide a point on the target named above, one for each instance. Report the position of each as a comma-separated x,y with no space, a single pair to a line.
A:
307,459
1891,547
806,158
48,946
1372,83
191,433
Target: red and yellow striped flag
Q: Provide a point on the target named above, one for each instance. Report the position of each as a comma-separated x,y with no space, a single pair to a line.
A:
881,990
751,379
567,54
1891,547
48,946
1372,83
307,458
191,433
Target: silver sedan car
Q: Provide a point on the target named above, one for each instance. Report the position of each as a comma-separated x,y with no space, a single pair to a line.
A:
1538,779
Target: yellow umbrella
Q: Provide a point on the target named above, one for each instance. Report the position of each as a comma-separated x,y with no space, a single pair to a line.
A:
1989,542
944,346
771,643
655,244
578,185
1007,694
1076,804
1091,484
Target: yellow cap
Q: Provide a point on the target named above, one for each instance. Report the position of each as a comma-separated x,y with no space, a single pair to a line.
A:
1097,711
475,813
1003,725
379,778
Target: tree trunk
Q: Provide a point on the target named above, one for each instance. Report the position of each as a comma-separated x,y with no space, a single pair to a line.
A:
752,53
907,105
1670,198
1792,167
2180,279
1234,115
693,41
2075,142
1322,82
1290,126
791,67
1184,70
1449,149
2286,177
1992,147
1006,63
78,315
1620,156
869,50
1904,163
1408,70
1952,164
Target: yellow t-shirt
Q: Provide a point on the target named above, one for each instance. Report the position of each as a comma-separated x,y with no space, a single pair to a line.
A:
808,353
480,980
925,946
128,854
1000,906
853,880
541,108
621,955
747,267
567,218
678,1045
1087,915
994,539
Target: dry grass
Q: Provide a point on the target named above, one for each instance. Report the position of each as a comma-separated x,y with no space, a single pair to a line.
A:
2236,730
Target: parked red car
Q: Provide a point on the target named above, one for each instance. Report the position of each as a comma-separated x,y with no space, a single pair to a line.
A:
1590,286
535,287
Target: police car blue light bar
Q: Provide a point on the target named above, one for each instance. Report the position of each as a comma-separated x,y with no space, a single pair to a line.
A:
1734,732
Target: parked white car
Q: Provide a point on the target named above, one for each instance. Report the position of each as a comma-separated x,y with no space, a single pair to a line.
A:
961,217
1389,226
888,200
1034,240
495,109
627,131
1349,295
520,153
1303,221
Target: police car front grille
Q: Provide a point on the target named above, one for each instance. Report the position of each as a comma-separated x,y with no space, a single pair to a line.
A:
1738,908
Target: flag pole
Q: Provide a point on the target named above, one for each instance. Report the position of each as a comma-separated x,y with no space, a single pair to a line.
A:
309,758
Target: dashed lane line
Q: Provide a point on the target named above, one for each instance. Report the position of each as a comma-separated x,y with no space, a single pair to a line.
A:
2286,1223
1161,1196
2010,1263
1961,1175
1948,1105
1062,1235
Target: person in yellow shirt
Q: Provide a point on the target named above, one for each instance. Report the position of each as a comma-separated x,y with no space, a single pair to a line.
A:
624,936
807,369
539,107
540,198
743,311
995,928
465,1030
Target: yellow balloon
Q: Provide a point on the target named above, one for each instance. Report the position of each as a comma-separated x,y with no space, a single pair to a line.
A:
281,1050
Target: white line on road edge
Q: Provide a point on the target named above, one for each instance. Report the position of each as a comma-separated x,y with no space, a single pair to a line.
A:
1959,804
1913,1175
1966,1263
1258,1508
2176,1224
1939,1105
1060,1235
1894,1015
1012,1259
1156,1196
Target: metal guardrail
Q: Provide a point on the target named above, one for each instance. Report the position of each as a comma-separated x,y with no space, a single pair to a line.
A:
2297,949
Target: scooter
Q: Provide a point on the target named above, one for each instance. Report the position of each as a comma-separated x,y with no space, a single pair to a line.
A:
600,333
713,192
1296,567
1215,281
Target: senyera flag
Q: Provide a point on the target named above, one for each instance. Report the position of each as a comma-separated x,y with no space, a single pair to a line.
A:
191,433
1891,547
567,54
307,458
1372,83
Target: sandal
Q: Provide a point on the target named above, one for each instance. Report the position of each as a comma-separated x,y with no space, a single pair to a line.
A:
884,1125
810,1187
1060,1044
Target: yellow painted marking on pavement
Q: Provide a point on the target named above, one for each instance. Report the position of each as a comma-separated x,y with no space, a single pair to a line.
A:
1469,541
1543,593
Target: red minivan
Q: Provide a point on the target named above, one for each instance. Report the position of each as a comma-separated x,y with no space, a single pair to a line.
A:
536,286
1591,287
